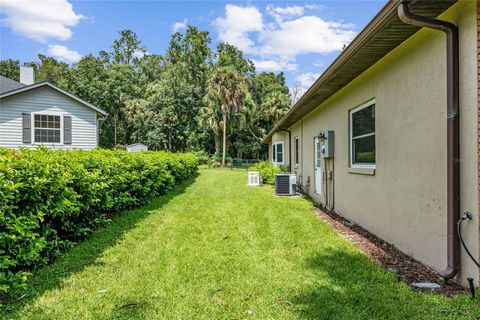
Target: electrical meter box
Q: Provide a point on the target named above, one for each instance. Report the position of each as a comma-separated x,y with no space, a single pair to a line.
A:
328,144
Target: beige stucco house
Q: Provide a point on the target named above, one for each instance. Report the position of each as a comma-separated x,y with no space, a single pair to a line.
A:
405,157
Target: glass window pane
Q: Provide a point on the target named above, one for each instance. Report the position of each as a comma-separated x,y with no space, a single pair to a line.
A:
364,150
279,153
47,136
56,136
279,147
363,121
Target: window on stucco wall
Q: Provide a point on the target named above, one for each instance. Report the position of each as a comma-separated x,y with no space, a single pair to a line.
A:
362,136
277,152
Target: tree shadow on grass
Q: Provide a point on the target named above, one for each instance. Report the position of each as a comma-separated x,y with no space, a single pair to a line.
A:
351,287
85,253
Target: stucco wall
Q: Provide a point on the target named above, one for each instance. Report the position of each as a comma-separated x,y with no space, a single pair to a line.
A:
45,99
478,107
404,202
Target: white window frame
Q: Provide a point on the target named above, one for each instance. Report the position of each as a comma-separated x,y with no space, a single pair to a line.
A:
296,154
274,153
350,136
46,113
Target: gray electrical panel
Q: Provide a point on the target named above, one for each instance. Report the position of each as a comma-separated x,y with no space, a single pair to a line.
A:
328,144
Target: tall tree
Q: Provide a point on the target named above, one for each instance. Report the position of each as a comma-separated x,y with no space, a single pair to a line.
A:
191,57
162,114
275,105
88,80
51,70
10,68
127,48
121,86
210,118
232,57
227,89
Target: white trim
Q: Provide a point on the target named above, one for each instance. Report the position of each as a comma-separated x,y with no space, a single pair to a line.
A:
350,136
48,84
46,113
274,154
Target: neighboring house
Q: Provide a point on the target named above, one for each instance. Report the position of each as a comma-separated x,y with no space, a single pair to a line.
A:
33,114
137,147
389,107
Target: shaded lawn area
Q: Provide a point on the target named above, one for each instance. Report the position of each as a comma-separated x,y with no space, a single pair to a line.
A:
216,249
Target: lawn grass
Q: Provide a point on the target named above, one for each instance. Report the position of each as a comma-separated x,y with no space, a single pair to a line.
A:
216,249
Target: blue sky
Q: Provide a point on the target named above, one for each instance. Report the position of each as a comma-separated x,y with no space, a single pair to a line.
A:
299,38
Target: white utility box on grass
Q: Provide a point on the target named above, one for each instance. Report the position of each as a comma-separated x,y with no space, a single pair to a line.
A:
253,179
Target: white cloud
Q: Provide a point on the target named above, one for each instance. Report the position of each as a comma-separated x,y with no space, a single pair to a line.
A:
283,13
274,65
63,53
307,34
40,20
314,6
307,79
237,25
139,54
180,25
277,43
301,84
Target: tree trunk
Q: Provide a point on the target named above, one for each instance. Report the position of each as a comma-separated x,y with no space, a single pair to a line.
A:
115,130
224,155
216,139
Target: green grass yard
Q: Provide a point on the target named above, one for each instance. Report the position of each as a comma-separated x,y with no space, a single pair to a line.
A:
216,249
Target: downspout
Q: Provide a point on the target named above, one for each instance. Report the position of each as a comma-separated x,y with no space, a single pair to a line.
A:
289,148
453,132
100,121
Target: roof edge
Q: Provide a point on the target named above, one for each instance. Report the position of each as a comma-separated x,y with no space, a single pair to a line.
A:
375,25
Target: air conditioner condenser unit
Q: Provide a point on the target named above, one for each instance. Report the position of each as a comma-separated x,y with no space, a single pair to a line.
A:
285,184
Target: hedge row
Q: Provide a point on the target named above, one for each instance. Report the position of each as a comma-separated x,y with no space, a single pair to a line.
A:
51,199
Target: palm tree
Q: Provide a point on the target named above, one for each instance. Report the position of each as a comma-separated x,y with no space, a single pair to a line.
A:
227,90
210,117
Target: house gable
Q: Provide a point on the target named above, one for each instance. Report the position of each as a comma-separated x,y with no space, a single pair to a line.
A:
46,100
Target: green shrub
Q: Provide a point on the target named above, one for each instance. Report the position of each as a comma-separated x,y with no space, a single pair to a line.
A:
51,199
215,165
214,159
202,156
267,171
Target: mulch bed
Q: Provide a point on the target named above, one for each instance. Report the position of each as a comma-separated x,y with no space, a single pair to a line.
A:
405,267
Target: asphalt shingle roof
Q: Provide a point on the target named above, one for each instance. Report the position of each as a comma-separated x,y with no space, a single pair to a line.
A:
7,84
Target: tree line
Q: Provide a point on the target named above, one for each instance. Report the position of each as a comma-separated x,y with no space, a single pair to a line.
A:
191,98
